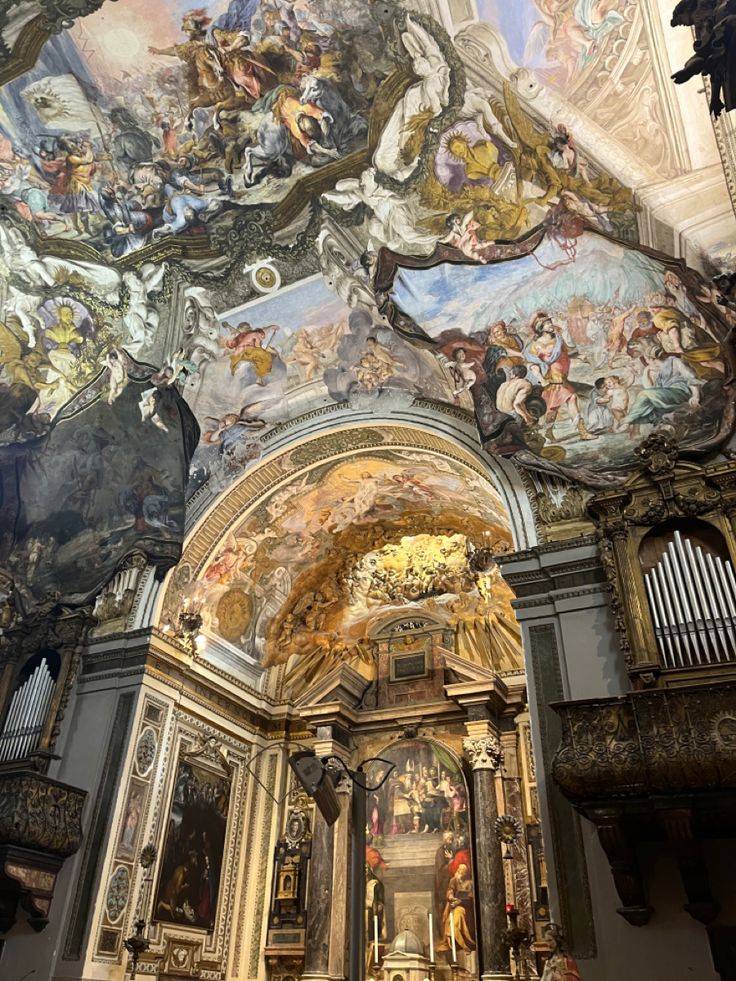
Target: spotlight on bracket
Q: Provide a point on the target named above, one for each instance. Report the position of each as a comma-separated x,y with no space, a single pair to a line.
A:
318,782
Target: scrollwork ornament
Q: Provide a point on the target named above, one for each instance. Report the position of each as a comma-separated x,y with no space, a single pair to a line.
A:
60,15
483,752
608,563
658,454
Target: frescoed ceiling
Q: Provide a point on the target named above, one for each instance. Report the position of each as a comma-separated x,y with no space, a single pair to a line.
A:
255,212
159,129
304,577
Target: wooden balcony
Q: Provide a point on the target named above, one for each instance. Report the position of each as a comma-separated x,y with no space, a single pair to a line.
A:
657,764
40,826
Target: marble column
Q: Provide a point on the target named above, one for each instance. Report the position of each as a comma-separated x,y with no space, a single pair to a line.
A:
319,901
339,912
483,751
513,800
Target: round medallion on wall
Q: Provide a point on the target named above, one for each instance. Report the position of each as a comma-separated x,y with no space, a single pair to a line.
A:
145,751
265,277
724,730
234,613
117,893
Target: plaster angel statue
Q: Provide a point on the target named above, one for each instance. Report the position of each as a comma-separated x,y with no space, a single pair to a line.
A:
392,220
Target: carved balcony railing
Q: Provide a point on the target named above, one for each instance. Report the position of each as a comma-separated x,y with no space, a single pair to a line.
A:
657,764
40,826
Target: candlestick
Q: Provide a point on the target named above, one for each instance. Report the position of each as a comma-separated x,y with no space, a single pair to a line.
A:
431,938
452,937
375,937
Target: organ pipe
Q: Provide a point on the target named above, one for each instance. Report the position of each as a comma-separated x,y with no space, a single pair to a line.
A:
692,598
26,716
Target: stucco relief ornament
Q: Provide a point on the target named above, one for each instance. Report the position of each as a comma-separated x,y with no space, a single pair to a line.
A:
145,751
658,454
483,753
117,893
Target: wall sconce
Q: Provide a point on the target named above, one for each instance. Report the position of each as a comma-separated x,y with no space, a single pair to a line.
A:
138,943
189,627
480,557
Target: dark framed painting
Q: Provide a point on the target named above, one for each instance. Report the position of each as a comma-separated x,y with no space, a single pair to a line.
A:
191,866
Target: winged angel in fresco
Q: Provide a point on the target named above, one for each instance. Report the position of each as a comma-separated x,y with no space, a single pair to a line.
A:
569,31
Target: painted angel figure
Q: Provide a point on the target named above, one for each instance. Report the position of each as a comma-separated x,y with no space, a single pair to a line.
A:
392,219
115,362
402,136
463,235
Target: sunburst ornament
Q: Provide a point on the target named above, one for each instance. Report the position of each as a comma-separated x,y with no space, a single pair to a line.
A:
456,144
508,831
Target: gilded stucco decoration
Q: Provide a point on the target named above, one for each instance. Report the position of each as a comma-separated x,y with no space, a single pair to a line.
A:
315,564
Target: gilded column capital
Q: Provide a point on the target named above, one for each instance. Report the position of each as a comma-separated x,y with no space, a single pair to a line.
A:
483,752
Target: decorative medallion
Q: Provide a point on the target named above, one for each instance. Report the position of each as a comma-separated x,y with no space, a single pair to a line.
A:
724,731
297,827
265,277
117,893
145,751
508,829
234,612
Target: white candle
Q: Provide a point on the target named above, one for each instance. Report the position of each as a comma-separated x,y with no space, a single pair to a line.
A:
452,937
431,939
375,937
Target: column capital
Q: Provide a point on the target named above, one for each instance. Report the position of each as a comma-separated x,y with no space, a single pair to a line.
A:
483,752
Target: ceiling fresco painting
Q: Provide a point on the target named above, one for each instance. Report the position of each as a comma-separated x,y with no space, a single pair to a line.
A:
574,350
143,123
106,481
281,356
334,550
596,54
171,178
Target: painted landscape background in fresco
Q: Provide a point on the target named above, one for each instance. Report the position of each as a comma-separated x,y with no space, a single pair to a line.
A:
575,356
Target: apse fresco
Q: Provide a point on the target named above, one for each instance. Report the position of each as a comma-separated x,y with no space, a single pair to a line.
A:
147,121
574,351
418,852
295,570
284,355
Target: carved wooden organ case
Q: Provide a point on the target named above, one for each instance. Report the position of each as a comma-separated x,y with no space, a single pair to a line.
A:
668,546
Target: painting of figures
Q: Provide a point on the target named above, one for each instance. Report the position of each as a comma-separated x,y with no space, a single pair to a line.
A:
558,39
312,526
571,354
284,355
195,840
143,123
88,495
418,852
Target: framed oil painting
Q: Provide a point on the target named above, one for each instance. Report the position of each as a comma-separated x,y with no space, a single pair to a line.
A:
418,852
189,883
